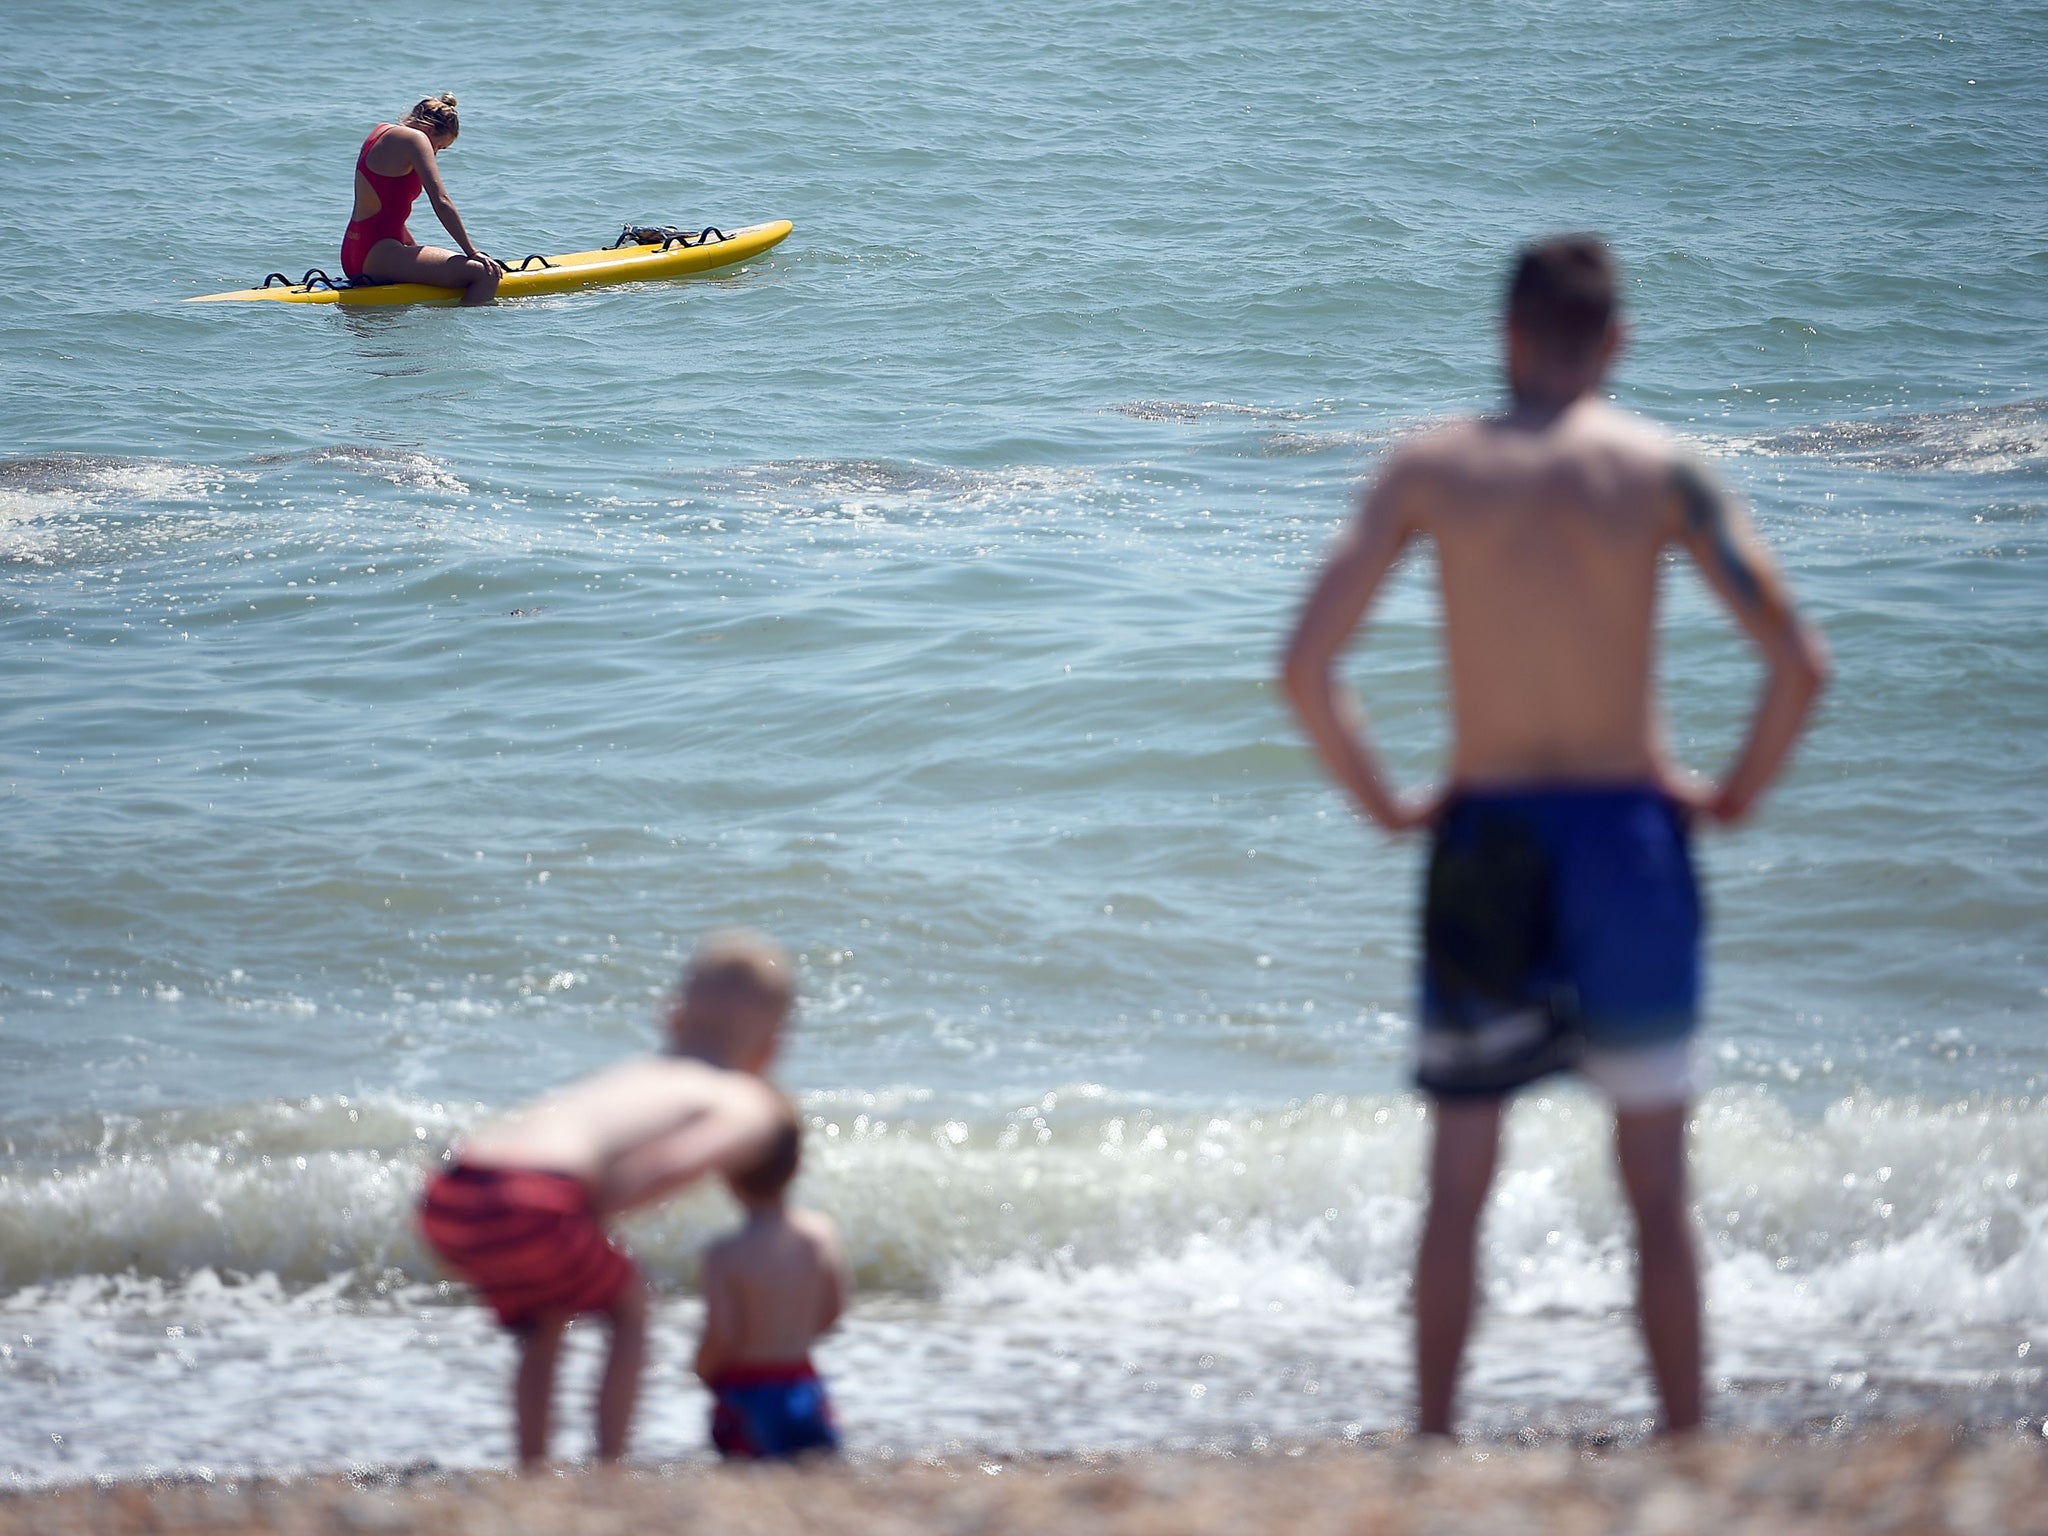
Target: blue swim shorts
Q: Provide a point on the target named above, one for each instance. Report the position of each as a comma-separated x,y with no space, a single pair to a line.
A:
763,1412
1561,930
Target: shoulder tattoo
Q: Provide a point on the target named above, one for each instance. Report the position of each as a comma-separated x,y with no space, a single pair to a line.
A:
1706,516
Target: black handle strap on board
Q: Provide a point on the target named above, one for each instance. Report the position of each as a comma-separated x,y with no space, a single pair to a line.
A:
667,236
314,277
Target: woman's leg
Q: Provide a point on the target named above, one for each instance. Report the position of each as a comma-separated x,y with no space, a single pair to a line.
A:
392,261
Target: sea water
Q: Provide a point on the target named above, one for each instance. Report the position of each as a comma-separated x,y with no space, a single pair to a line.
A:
391,698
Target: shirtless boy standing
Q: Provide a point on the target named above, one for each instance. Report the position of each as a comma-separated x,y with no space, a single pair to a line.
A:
770,1290
521,1212
1561,925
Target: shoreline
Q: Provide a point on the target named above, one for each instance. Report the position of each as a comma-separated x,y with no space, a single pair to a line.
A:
1924,1478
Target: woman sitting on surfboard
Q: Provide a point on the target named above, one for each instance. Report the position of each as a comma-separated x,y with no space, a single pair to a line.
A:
395,163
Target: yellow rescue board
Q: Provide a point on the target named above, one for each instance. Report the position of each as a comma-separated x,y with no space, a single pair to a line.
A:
579,269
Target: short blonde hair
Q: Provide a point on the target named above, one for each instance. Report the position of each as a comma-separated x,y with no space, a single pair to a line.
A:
437,113
738,963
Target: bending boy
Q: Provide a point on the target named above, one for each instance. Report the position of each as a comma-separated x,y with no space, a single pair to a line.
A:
1561,924
521,1212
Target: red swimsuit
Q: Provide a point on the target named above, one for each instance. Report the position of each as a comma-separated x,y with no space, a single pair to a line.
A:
395,196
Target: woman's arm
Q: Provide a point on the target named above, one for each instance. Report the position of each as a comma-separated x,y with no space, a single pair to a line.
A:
429,168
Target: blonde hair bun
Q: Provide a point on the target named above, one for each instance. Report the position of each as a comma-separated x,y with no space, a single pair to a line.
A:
436,112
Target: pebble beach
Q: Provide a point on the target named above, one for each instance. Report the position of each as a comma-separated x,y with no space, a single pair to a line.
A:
1923,1482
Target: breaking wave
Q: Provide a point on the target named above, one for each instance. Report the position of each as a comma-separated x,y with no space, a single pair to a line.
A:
1880,1209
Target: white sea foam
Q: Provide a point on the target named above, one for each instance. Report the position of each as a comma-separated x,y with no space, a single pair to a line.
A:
29,534
56,508
883,488
1302,443
1190,411
1234,1340
1881,1212
408,467
1976,439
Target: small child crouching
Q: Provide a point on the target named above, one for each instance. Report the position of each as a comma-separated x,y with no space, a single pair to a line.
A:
770,1290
